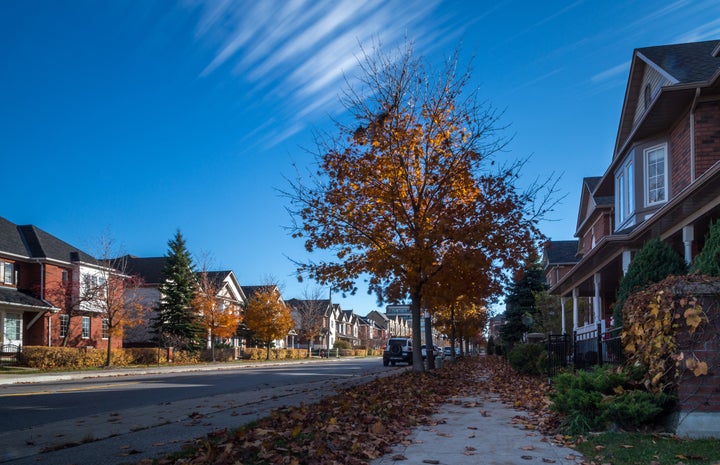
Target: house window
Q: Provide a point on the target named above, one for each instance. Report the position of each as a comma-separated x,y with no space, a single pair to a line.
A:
64,324
105,328
12,328
65,276
85,327
7,273
624,193
656,175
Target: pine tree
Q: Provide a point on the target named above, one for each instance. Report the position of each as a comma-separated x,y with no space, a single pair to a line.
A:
708,261
176,323
653,263
520,309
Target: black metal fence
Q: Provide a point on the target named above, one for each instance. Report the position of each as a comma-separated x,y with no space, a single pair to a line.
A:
9,354
584,350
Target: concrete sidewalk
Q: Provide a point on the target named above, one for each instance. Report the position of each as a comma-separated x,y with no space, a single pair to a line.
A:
479,430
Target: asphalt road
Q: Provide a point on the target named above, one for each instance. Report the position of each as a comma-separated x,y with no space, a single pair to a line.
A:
121,420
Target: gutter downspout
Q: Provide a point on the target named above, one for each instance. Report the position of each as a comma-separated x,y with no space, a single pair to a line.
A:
692,135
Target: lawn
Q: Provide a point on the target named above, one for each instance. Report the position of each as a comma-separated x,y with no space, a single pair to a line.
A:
649,449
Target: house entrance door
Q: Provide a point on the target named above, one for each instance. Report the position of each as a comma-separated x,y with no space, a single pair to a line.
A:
11,328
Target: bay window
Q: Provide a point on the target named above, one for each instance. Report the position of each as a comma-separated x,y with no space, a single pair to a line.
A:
656,176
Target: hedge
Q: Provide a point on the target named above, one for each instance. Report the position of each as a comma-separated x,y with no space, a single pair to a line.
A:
50,358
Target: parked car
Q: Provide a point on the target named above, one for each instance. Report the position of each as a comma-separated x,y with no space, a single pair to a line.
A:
398,349
448,351
435,351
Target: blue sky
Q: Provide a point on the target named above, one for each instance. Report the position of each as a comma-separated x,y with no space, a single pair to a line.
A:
137,117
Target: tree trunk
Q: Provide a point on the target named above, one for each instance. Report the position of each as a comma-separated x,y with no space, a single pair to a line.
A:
267,356
416,338
108,357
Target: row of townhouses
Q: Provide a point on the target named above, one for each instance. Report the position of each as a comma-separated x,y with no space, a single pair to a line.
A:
663,180
39,271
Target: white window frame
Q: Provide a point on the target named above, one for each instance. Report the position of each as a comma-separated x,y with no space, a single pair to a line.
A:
7,272
86,327
646,156
624,194
105,328
64,324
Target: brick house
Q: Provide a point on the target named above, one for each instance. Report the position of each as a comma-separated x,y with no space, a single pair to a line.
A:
663,180
40,277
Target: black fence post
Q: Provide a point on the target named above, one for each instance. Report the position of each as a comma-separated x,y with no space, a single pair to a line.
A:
599,344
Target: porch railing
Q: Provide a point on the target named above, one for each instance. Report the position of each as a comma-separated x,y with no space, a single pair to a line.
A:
589,346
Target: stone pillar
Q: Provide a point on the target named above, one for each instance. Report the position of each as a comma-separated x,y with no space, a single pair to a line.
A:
688,237
562,314
575,309
597,311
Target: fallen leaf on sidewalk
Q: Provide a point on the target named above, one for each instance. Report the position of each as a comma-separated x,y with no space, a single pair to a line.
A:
528,448
548,460
399,457
431,462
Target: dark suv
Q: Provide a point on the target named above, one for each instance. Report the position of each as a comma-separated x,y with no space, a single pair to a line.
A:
398,349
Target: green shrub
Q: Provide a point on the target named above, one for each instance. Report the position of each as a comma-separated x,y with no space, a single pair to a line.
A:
342,345
636,408
653,263
591,400
524,358
708,261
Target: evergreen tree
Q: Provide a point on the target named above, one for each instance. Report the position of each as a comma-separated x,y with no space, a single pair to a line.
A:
653,263
176,323
520,308
708,262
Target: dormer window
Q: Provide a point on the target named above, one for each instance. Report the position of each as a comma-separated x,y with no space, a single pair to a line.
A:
7,273
647,95
656,176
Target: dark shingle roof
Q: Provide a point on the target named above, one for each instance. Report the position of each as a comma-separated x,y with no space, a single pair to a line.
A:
10,239
688,63
14,297
561,252
32,242
592,182
149,269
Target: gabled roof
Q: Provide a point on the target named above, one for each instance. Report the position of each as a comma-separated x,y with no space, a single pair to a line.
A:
685,63
32,242
590,202
149,269
684,68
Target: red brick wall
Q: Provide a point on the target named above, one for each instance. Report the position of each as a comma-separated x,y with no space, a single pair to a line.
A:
702,393
680,155
707,136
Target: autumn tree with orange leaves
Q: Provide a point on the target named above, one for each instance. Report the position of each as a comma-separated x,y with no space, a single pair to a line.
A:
115,293
268,317
410,181
218,315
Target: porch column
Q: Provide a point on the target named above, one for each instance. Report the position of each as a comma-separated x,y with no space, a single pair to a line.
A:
626,256
688,237
575,308
562,314
596,299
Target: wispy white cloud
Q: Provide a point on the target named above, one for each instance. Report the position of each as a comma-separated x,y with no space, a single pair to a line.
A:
298,52
709,30
610,73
